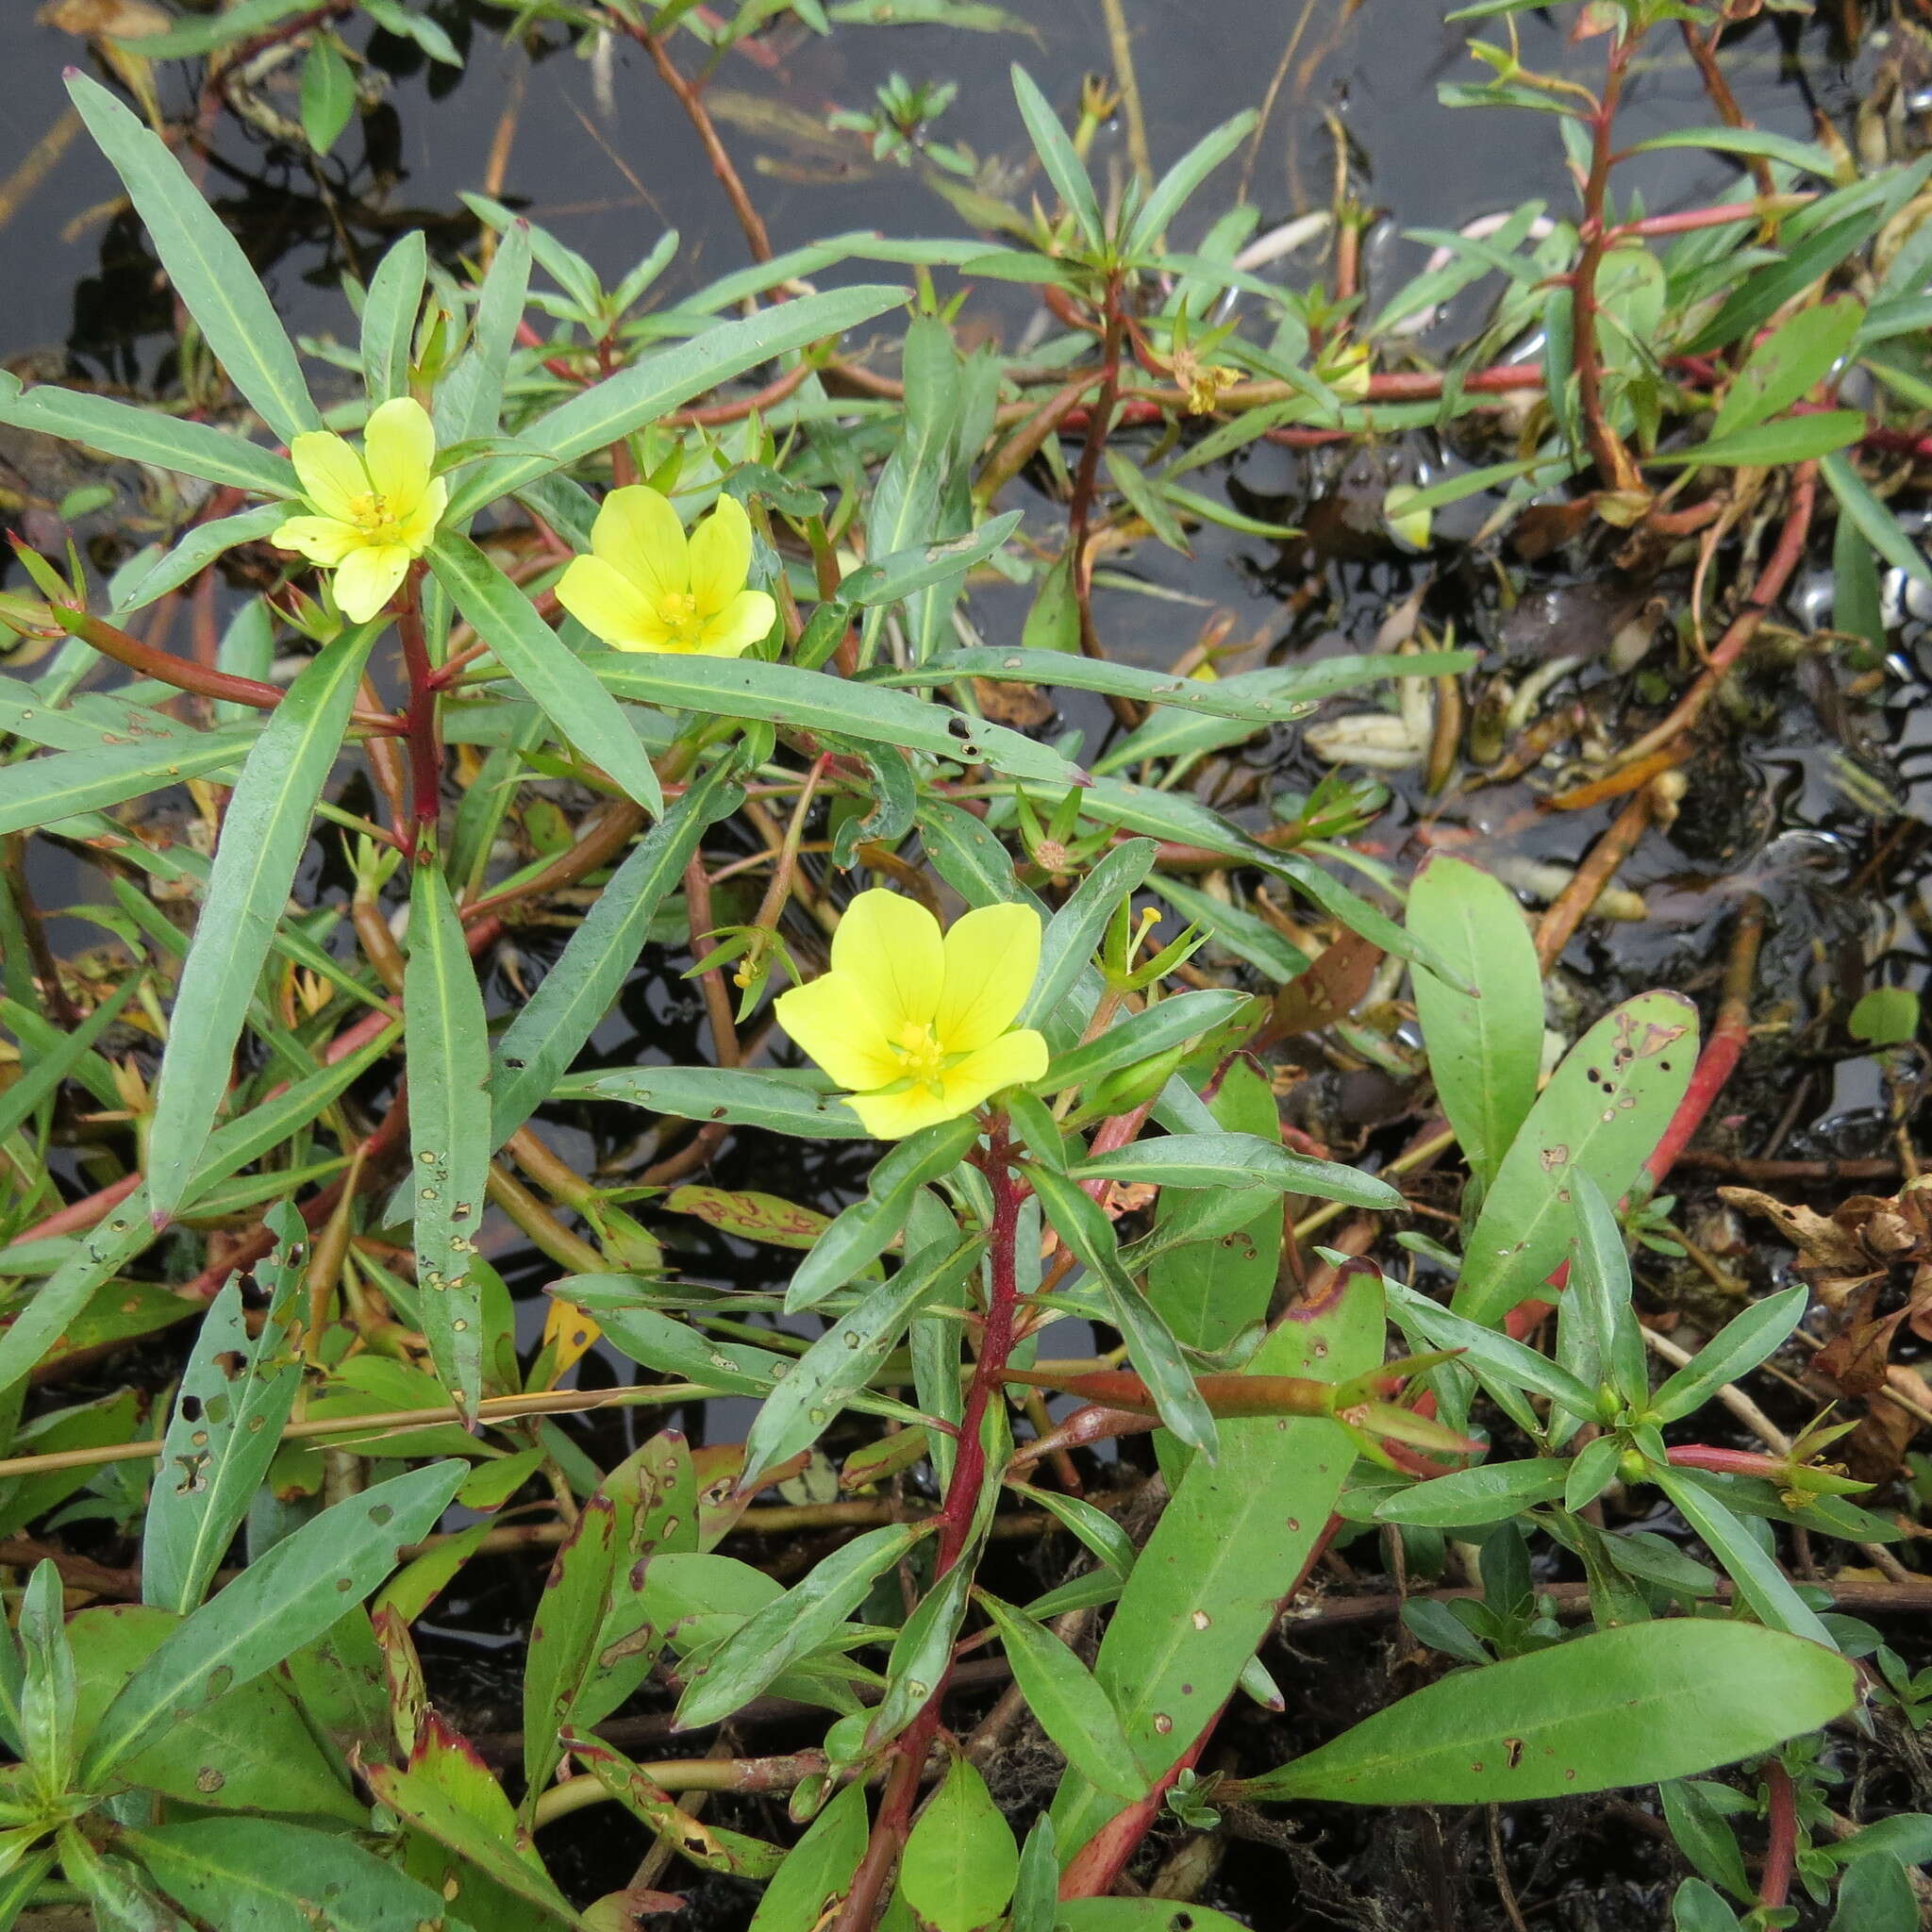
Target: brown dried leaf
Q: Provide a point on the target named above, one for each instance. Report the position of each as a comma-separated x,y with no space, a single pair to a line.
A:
1329,989
1024,706
126,20
1821,1243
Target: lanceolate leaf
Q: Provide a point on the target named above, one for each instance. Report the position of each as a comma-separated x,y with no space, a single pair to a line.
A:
546,1034
1604,1109
263,836
564,688
1734,1350
1627,1707
1484,1047
722,1093
267,1873
39,791
205,262
666,381
235,1393
1067,1703
809,701
1224,1160
563,1639
130,1228
279,1603
1227,1549
146,436
1760,1581
448,1048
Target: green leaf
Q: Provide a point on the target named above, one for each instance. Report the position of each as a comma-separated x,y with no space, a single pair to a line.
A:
1173,1021
1761,294
1210,1287
42,1070
1760,1581
1470,1497
199,548
811,701
1732,1353
145,435
1221,1160
260,1875
1083,1224
1787,364
710,1847
264,834
1067,1703
1786,440
959,1864
1875,1895
846,1356
235,1393
563,1640
1600,1293
1627,1707
1139,1915
281,1601
389,316
547,1032
203,36
1171,192
792,1626
1069,937
609,411
1603,1111
1886,1016
900,573
49,1689
730,1094
862,1231
565,688
1228,1548
203,262
40,791
1874,522
112,1245
1492,1356
468,400
393,17
423,1800
447,1043
1242,933
1063,166
818,1873
921,1654
1804,156
1486,1047
328,94
1704,1835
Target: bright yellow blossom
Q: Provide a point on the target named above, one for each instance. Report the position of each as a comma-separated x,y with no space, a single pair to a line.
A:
376,511
647,586
920,1027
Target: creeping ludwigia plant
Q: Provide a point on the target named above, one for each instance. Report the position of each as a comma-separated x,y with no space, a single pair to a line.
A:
375,512
647,586
919,1025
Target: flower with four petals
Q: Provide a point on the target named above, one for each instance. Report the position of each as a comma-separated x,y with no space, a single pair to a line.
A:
919,1025
374,511
647,586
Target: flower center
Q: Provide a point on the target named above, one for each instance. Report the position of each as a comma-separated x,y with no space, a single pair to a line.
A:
678,613
372,515
922,1057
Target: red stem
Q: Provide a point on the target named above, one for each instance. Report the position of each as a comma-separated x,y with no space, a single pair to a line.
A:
1612,459
1781,1852
425,736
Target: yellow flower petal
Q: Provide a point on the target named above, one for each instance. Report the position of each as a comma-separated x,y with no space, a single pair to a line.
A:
399,451
321,539
720,556
893,1116
609,606
331,473
890,946
993,955
637,532
418,528
742,623
1010,1060
830,1020
367,577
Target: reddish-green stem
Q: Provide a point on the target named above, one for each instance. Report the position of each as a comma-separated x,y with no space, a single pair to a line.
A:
422,729
1781,1852
1612,459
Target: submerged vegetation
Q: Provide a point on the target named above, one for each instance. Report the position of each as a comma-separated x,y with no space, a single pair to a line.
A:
660,1096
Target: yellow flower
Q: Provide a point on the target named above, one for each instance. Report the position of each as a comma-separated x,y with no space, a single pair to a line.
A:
920,1027
375,512
647,587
